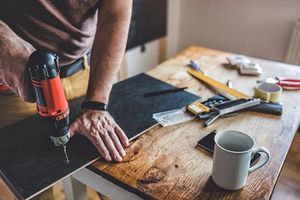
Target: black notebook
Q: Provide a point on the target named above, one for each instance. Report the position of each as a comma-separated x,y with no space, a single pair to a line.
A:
29,162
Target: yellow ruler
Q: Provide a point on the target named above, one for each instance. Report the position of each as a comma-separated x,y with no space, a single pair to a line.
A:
220,86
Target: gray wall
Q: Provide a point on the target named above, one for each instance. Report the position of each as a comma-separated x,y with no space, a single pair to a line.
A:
260,28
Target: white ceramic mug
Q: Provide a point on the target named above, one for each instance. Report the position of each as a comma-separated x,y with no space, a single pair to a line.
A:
231,161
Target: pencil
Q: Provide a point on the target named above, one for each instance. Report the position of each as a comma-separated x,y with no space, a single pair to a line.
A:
160,92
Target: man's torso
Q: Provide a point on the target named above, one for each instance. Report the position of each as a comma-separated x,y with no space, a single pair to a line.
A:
66,27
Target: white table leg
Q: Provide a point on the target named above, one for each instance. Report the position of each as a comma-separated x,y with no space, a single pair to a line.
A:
74,190
103,186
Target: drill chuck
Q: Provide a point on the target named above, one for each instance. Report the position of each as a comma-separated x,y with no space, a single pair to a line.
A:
63,139
51,102
61,133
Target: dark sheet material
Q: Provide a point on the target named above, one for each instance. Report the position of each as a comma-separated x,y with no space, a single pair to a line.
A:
29,162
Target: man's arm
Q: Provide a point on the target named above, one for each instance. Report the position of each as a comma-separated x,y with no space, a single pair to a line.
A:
109,47
13,63
107,52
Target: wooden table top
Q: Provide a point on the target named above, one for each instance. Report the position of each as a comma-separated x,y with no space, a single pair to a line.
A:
165,163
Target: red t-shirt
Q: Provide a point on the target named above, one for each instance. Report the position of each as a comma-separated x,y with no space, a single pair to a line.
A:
66,27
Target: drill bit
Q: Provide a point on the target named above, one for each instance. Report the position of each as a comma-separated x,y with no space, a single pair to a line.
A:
66,154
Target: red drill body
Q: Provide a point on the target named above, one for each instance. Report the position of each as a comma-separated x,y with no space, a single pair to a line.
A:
54,97
50,98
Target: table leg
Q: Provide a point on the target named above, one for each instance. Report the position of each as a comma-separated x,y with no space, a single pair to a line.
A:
103,186
74,189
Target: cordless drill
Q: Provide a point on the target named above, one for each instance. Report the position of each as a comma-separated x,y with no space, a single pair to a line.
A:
51,102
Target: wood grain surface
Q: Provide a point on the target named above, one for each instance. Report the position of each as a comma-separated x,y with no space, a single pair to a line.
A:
288,186
165,163
5,192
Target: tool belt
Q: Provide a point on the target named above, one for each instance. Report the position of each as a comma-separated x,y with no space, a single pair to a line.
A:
79,64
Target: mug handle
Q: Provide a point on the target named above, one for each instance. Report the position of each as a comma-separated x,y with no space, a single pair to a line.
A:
261,162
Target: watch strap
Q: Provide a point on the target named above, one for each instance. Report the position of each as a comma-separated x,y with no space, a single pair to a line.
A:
94,105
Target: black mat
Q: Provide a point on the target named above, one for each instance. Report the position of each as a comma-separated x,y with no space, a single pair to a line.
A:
29,162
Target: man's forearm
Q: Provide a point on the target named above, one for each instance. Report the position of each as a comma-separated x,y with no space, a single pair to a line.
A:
13,62
109,46
12,48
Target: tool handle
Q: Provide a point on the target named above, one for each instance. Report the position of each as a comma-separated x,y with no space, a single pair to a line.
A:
270,108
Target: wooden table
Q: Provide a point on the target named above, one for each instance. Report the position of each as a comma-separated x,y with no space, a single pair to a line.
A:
165,163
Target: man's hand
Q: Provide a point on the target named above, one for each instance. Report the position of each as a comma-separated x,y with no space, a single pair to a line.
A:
107,51
13,64
101,129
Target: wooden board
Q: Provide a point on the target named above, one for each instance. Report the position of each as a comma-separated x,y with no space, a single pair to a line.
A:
30,163
5,192
165,163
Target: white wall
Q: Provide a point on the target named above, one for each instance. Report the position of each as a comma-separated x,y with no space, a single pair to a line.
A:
260,28
138,61
135,61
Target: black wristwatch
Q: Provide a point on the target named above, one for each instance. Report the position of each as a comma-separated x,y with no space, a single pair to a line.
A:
94,105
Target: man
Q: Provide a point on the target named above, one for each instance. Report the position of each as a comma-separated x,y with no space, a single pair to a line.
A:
70,28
